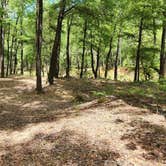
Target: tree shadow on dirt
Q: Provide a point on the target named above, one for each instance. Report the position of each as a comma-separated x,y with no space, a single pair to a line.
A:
138,95
21,105
149,137
142,95
63,148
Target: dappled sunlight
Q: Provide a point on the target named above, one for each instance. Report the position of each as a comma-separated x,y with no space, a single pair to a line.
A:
73,124
63,147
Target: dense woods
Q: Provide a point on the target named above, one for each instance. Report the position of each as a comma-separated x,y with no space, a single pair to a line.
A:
83,82
83,39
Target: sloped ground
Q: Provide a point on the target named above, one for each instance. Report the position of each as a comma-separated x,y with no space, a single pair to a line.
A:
112,126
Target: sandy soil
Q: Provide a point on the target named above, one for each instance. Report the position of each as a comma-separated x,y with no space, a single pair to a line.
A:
54,129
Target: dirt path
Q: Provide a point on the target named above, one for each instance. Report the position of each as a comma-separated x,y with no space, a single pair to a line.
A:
53,129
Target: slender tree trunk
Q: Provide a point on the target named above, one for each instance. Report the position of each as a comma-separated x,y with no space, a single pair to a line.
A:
83,48
117,57
97,62
2,34
163,53
13,42
109,53
92,57
69,23
11,56
15,58
95,70
8,51
39,14
54,61
137,66
22,47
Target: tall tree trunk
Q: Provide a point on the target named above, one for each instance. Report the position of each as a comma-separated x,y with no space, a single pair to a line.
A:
92,56
97,61
83,48
2,68
117,57
54,61
8,51
69,23
163,53
15,58
11,56
22,47
109,53
13,42
39,20
137,66
95,70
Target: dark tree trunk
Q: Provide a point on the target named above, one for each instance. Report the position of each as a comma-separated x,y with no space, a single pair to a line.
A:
92,59
83,48
69,24
95,70
54,61
22,48
98,62
117,57
15,58
137,66
39,14
2,34
109,53
11,56
8,51
13,43
163,53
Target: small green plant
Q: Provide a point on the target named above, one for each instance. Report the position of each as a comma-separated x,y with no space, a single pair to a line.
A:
99,94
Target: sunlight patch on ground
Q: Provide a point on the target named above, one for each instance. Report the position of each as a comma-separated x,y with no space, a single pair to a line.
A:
50,128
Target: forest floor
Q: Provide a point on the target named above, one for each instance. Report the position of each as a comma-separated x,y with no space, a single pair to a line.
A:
82,123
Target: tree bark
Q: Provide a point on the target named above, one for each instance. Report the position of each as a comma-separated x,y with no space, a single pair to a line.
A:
163,53
2,34
83,48
39,13
109,53
22,47
117,57
15,58
137,66
69,24
8,51
95,70
13,42
54,61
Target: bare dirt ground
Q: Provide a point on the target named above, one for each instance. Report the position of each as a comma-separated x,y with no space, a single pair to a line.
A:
54,129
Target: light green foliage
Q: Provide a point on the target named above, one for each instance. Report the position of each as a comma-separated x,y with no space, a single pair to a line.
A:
103,17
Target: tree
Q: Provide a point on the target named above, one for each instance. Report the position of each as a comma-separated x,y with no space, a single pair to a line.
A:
69,24
2,40
163,51
54,61
39,17
117,56
83,47
137,66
